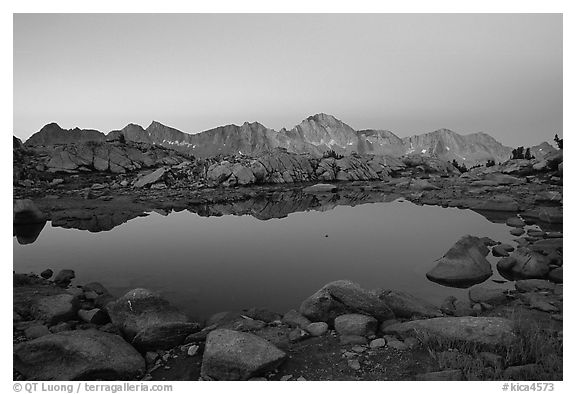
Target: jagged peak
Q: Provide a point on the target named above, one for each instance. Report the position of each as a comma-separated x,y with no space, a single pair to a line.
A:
52,125
323,117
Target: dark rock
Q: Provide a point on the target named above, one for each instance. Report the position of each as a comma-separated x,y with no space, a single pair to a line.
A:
515,222
232,355
78,355
47,274
148,321
263,314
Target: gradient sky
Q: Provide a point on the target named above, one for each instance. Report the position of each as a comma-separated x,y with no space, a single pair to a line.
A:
409,73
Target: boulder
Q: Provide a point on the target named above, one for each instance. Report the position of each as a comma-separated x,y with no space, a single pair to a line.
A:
487,295
524,263
244,176
529,285
407,306
478,330
151,178
515,222
94,316
502,250
219,172
148,321
317,329
55,308
342,297
26,212
356,324
47,274
78,355
233,355
320,188
463,265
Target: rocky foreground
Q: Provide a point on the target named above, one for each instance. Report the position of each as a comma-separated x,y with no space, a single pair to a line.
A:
65,331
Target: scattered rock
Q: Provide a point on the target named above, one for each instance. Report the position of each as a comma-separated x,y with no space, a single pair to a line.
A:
233,355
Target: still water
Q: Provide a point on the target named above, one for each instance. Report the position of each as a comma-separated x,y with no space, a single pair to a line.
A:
206,265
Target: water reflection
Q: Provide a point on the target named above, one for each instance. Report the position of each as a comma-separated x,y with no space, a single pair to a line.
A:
268,252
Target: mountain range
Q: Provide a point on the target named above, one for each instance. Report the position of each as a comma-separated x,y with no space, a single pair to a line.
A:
315,135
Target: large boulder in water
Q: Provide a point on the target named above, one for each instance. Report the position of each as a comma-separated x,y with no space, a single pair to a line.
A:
479,330
408,306
343,297
463,265
524,263
78,355
234,355
148,321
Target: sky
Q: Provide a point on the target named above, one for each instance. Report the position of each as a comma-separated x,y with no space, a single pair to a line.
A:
408,73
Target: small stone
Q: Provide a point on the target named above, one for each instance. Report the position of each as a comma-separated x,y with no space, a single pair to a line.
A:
297,334
285,378
354,364
301,379
378,343
192,350
358,349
